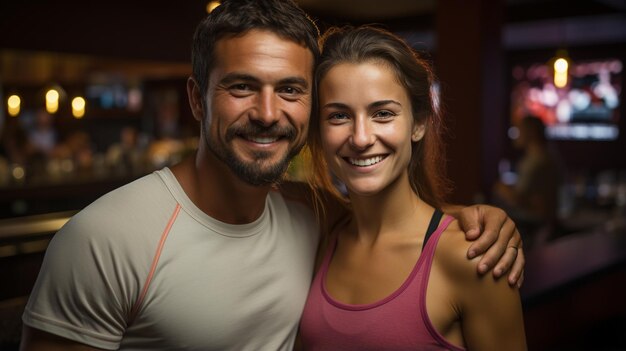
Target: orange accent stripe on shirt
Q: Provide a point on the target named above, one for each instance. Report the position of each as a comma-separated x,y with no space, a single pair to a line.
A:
155,262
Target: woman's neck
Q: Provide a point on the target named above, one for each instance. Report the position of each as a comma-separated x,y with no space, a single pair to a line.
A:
392,210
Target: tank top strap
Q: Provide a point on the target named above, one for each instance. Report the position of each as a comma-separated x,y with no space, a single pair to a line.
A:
432,226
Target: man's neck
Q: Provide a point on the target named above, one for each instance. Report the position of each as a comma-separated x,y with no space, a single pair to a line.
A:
218,192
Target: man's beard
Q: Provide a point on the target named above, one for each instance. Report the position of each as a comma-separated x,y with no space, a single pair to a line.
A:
254,172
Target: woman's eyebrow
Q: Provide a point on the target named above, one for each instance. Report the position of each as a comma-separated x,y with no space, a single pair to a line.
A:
383,103
338,105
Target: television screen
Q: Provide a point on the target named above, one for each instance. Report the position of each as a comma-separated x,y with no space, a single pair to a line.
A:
585,108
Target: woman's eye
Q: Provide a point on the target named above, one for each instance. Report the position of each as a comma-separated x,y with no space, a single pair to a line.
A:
384,114
338,116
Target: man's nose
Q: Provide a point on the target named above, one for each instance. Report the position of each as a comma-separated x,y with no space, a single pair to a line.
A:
267,112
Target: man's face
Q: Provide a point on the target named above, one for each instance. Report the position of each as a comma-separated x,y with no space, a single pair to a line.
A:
258,104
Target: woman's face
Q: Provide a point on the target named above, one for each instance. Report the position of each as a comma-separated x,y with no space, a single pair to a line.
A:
366,126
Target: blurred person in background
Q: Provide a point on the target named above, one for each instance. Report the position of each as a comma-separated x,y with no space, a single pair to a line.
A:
43,135
128,155
532,201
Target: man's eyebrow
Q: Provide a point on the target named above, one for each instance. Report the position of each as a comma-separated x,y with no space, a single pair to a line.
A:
238,77
244,77
294,81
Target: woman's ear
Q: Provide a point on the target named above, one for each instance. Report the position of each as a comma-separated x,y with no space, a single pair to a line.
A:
418,132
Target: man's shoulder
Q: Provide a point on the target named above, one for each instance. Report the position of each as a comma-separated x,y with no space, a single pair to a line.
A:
142,203
139,188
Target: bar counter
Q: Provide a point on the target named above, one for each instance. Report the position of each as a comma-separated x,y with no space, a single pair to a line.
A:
574,293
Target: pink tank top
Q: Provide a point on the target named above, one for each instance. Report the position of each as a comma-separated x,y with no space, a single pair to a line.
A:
398,322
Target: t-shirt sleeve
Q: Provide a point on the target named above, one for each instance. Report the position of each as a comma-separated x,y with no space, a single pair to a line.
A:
84,290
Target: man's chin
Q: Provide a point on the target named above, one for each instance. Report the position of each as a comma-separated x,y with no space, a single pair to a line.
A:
258,169
256,175
260,180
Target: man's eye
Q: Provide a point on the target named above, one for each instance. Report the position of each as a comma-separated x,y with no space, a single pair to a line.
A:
289,90
240,87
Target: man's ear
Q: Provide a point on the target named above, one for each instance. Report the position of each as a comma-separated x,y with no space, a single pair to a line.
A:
418,132
195,99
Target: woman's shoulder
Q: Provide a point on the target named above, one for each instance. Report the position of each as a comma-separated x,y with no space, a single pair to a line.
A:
451,253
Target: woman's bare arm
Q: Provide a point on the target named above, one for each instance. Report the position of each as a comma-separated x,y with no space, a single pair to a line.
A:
490,309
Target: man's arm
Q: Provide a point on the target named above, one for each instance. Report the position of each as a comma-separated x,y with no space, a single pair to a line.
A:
496,238
37,340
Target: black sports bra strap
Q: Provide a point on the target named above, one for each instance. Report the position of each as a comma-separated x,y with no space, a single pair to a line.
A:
432,226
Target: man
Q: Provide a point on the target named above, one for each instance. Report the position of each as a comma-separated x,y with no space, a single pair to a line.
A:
207,255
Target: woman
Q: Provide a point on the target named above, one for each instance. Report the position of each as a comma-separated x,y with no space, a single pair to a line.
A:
394,276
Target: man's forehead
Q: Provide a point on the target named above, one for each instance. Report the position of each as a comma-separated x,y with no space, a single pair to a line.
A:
262,49
263,32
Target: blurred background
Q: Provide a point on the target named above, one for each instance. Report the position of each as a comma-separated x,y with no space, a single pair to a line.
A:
92,96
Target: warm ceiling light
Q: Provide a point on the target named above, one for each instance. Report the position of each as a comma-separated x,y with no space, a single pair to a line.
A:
52,101
78,103
78,107
212,5
560,67
14,101
52,96
560,72
13,105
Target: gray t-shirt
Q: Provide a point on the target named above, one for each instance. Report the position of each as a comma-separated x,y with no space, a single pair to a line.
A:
142,268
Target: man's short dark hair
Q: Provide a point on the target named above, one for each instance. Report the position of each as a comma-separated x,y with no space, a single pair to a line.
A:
237,17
